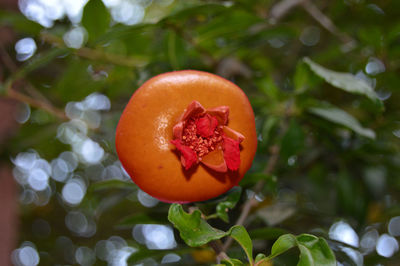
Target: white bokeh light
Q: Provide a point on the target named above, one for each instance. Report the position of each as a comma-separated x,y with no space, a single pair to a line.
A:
59,170
85,256
38,179
343,232
310,36
394,226
387,245
96,101
368,241
91,152
26,255
146,200
75,37
374,66
25,160
128,13
170,258
74,191
154,236
355,255
23,114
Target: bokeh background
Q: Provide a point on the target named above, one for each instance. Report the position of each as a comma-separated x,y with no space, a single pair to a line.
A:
69,67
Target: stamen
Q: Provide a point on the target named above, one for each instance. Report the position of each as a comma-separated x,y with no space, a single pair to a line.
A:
196,140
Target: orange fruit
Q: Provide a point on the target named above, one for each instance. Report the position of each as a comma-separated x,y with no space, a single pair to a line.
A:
147,129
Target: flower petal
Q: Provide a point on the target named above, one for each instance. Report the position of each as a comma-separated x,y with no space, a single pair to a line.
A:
178,130
206,125
215,161
221,113
233,134
231,153
194,108
188,156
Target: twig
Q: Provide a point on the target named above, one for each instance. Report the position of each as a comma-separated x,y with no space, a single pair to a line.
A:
13,94
37,100
272,162
217,246
325,21
188,38
251,202
94,54
280,9
12,67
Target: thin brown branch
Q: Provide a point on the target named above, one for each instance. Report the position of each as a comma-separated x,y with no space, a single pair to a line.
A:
269,169
95,54
252,202
217,246
37,100
189,39
12,67
6,59
13,94
325,21
280,9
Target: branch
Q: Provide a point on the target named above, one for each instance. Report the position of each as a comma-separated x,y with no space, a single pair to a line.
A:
271,165
188,38
13,94
216,245
37,100
12,67
218,248
252,202
94,54
326,22
280,9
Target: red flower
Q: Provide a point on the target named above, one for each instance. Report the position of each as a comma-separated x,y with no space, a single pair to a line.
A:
202,136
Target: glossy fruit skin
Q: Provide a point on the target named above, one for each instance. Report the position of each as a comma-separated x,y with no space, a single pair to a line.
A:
144,133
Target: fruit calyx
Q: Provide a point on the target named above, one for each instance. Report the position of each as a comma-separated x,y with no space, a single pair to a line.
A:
202,136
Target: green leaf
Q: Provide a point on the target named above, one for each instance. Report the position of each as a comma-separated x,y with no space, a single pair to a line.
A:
112,184
313,250
196,231
140,218
230,203
95,19
269,124
268,87
344,81
301,78
193,230
293,140
260,257
282,244
231,262
175,50
240,234
341,117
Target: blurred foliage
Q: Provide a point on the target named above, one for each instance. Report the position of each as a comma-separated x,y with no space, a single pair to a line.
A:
325,95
